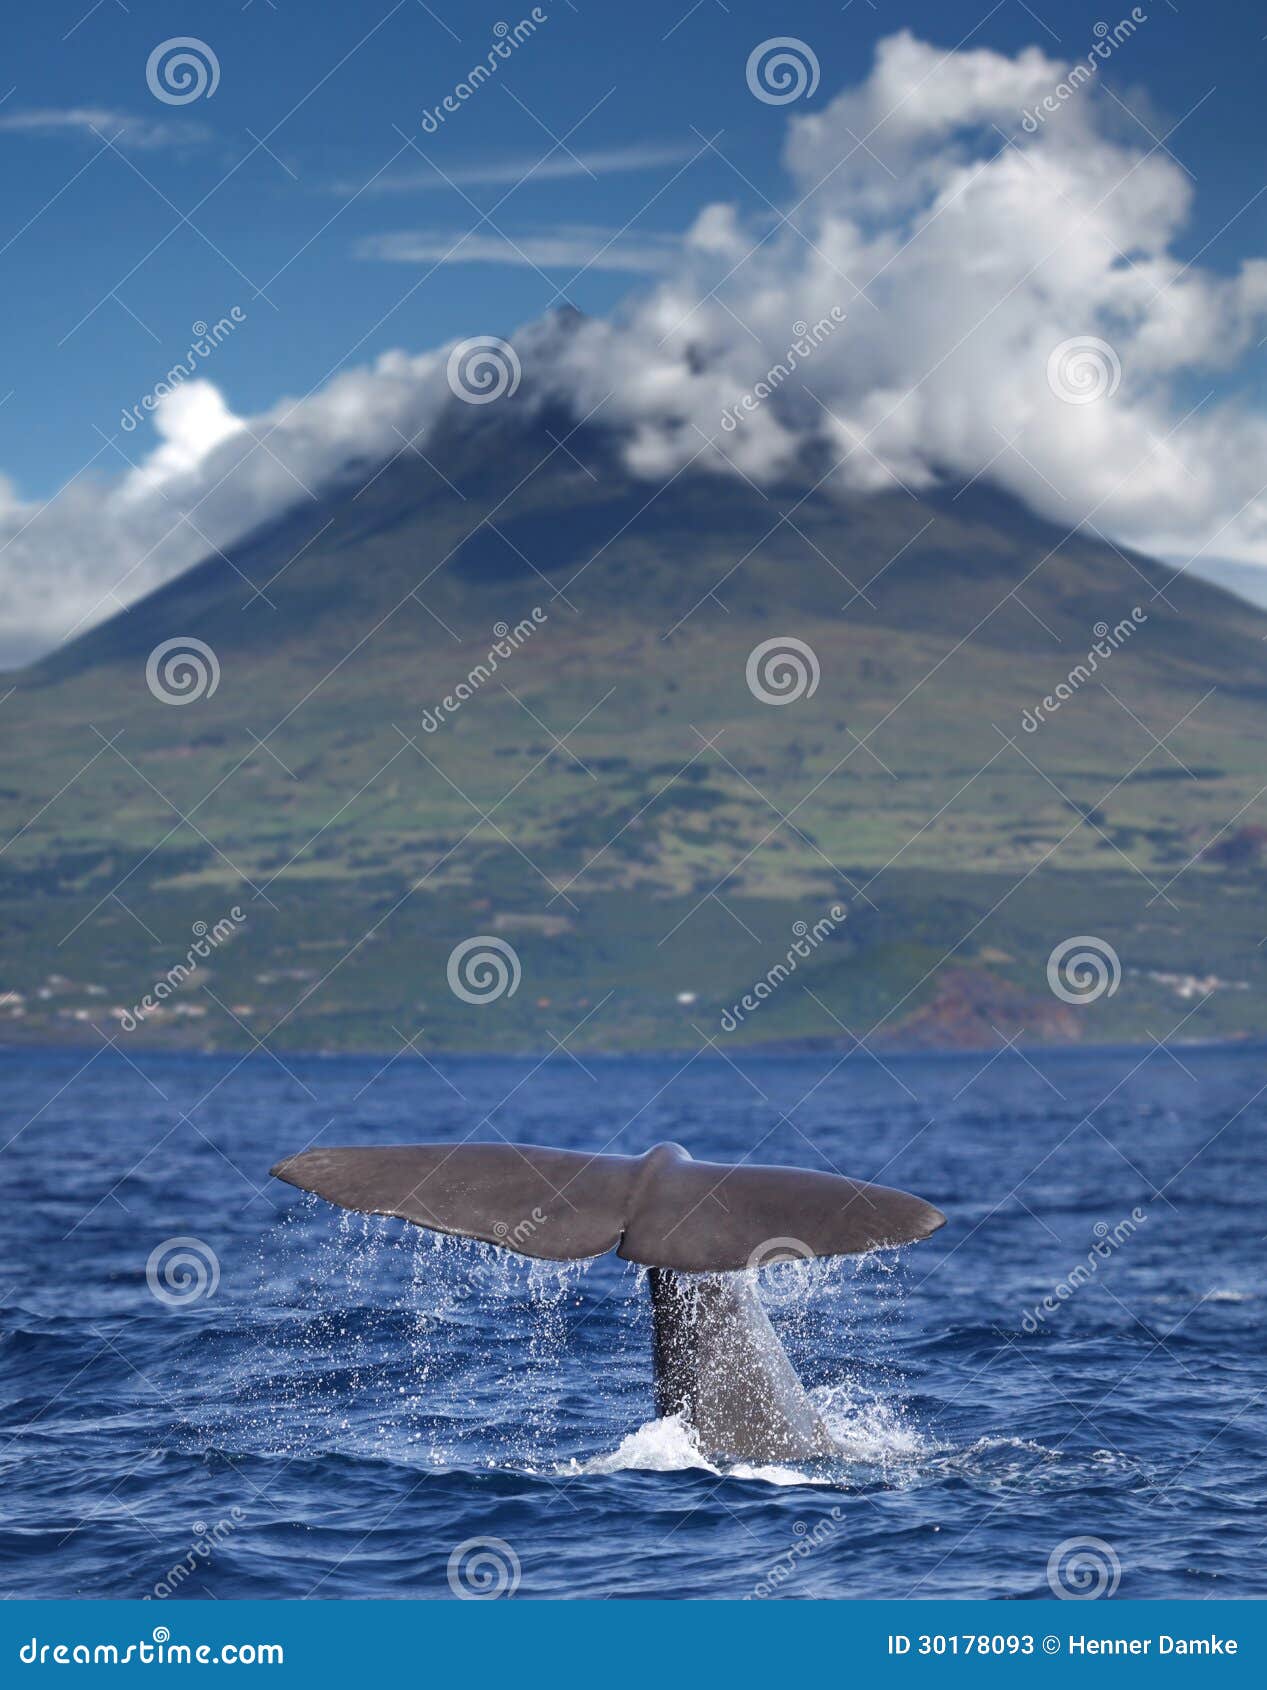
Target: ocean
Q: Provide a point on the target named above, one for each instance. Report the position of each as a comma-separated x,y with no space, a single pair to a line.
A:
212,1386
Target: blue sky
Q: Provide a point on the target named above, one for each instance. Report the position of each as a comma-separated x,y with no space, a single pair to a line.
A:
1074,307
103,280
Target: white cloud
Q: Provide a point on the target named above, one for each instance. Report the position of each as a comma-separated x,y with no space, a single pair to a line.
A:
94,547
191,422
569,247
559,166
961,258
103,124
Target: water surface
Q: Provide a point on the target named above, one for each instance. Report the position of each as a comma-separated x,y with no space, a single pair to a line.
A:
351,1401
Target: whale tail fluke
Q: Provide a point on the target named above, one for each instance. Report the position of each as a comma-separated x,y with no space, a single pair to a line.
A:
717,1360
661,1210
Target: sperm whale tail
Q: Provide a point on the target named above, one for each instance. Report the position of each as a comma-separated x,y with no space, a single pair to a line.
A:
718,1361
662,1210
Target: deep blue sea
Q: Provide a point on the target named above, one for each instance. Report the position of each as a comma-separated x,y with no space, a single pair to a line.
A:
211,1386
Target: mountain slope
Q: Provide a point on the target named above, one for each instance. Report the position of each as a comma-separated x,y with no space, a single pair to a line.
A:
614,802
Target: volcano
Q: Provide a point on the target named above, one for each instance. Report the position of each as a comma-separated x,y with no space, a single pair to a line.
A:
640,737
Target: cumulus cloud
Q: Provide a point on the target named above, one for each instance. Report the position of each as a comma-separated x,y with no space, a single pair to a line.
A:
965,252
955,255
98,546
191,421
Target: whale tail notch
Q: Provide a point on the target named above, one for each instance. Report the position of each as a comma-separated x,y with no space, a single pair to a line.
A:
661,1210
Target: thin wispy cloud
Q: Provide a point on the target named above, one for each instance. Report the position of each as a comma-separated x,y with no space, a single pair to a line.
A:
963,269
101,123
568,247
499,173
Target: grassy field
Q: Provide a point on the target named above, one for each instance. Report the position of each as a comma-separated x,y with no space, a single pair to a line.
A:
615,803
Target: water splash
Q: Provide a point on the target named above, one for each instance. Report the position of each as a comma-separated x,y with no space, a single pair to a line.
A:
390,1342
670,1445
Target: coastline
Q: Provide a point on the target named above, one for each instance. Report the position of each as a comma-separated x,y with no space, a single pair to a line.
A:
769,1050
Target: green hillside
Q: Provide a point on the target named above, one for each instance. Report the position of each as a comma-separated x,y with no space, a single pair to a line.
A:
614,803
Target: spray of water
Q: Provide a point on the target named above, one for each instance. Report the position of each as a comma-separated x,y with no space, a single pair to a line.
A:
385,1341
